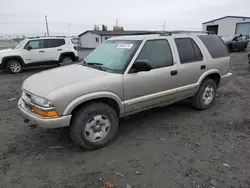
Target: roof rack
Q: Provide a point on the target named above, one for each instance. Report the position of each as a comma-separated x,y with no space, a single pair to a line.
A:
168,33
183,31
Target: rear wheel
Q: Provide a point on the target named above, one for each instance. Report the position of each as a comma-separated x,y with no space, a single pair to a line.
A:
205,97
14,66
66,59
94,125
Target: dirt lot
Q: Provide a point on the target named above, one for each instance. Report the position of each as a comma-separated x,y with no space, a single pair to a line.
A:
174,146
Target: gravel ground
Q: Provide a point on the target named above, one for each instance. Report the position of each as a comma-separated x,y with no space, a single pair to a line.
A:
174,146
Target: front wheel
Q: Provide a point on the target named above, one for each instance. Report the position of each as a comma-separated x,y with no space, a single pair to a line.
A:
14,66
94,125
205,97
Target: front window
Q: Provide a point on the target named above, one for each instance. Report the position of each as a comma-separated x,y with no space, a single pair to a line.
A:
36,44
113,55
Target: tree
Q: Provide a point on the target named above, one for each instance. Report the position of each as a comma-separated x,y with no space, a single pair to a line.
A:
96,27
104,27
118,28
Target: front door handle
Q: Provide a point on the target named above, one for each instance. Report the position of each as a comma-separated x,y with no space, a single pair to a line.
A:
203,67
174,72
59,49
41,51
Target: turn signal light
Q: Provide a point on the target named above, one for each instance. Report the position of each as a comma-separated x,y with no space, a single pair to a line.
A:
45,113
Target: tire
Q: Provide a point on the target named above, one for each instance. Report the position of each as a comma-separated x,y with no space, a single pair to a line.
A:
66,59
205,96
249,58
14,66
94,125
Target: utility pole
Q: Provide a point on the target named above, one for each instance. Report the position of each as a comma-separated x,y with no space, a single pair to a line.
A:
68,30
47,26
164,26
116,22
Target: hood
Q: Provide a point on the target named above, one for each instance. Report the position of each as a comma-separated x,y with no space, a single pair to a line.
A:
45,82
6,50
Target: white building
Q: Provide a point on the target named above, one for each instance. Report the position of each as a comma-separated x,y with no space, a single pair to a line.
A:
228,25
91,39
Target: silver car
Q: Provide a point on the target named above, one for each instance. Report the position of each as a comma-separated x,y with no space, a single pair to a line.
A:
123,76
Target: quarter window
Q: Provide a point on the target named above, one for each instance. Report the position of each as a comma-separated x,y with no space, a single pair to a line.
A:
157,52
215,46
36,44
188,50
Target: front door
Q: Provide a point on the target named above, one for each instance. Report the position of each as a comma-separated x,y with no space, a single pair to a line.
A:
144,90
34,51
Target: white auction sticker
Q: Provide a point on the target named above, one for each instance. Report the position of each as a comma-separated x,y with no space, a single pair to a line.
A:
127,46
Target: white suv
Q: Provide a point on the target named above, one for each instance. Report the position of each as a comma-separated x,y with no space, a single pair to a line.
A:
38,51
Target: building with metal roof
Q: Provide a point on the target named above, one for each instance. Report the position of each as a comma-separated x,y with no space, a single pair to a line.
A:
228,25
90,39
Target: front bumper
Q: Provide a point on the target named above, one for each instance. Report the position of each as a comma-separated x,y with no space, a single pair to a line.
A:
48,123
226,78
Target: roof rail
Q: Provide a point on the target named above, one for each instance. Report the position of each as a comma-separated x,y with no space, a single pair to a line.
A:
183,31
46,37
147,33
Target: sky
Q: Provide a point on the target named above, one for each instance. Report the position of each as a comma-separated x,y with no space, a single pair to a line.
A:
27,17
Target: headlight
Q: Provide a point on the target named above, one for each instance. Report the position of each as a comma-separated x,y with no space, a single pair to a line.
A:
41,106
41,101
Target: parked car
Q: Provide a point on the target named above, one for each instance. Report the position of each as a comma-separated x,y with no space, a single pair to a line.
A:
38,51
236,43
123,76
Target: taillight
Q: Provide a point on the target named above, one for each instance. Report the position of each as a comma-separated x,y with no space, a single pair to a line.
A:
74,47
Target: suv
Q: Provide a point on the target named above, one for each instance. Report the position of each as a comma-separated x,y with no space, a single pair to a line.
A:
123,76
38,51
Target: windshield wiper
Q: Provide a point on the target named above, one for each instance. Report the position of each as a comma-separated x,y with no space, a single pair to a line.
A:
97,65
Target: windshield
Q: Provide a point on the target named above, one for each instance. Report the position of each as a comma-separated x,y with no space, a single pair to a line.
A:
20,44
227,39
113,55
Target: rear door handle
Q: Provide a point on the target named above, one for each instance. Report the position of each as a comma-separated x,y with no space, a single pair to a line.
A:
41,51
59,49
173,72
203,67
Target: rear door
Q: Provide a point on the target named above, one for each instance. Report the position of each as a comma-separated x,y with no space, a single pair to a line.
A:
191,65
36,53
54,48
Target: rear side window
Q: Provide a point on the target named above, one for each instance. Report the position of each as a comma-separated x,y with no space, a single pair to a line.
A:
215,46
158,53
188,50
52,43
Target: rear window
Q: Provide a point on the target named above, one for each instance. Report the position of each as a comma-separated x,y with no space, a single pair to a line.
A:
52,43
215,46
188,50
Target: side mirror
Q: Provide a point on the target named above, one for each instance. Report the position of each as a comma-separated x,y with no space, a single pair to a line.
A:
140,65
29,48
